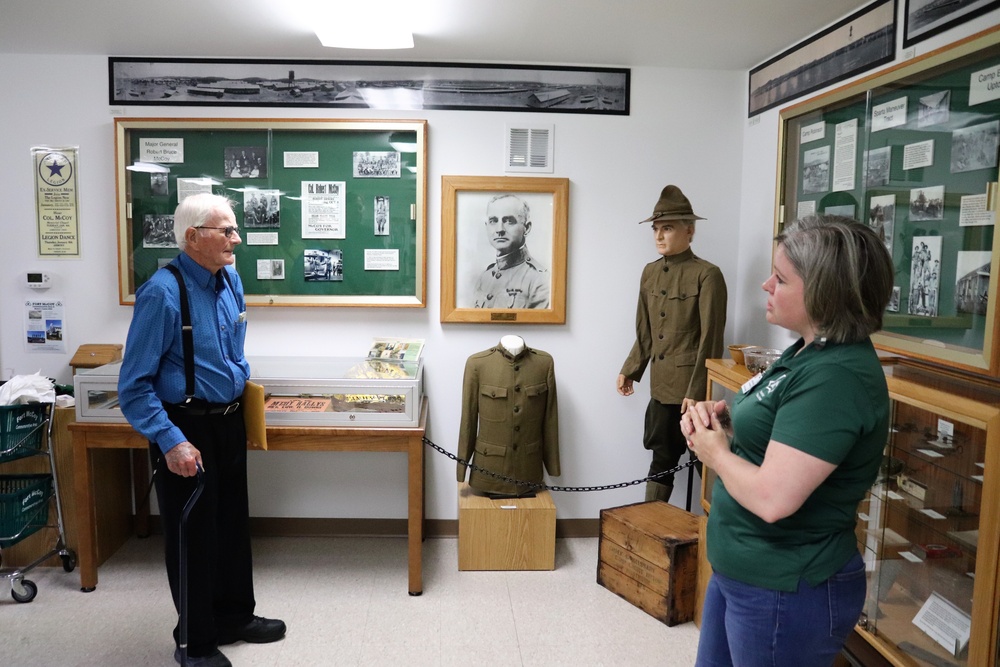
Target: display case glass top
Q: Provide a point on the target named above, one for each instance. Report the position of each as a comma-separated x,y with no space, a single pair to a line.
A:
329,391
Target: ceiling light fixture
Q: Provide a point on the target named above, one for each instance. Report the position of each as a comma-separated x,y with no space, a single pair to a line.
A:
365,35
372,24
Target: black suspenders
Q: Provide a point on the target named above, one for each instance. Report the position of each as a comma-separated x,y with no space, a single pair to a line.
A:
187,331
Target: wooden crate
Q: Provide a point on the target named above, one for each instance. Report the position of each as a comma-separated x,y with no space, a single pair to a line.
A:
506,534
648,554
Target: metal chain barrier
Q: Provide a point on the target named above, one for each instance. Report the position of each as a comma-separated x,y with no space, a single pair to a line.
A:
537,486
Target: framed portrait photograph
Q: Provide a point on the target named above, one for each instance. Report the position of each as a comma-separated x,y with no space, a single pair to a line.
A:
503,249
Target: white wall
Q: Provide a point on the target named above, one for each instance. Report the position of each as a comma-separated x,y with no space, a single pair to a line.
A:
685,128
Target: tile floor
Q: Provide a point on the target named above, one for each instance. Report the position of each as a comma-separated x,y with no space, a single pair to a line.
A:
345,602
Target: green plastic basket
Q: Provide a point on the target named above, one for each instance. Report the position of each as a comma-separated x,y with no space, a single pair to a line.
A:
21,429
24,506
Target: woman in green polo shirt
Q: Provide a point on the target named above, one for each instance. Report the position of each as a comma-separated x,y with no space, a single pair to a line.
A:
805,444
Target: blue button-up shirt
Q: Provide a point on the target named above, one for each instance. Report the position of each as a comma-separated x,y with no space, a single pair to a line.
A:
152,372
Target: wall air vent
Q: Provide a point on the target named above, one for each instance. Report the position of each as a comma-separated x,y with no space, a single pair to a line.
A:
529,149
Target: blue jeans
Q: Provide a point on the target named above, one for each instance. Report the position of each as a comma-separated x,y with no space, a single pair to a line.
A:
748,626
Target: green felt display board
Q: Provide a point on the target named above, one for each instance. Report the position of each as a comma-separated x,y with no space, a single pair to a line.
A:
377,170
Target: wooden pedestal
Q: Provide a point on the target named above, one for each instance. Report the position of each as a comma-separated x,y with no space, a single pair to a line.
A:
648,554
507,534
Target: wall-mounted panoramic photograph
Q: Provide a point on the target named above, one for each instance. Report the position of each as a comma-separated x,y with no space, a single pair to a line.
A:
368,85
863,40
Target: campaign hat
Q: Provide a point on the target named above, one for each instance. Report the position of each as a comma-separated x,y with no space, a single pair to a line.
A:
672,205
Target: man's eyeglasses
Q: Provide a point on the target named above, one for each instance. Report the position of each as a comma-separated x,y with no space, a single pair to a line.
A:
226,231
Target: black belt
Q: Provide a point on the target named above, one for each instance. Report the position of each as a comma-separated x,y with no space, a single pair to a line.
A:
199,407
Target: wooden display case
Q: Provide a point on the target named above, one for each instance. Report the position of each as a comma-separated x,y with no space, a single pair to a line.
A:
913,153
928,529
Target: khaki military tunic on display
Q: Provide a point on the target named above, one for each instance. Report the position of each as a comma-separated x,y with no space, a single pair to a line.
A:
679,323
515,280
510,422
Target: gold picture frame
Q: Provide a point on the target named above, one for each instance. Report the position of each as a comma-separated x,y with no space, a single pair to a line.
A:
475,284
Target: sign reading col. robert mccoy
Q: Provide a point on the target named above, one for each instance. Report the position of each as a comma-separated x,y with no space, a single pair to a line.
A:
56,201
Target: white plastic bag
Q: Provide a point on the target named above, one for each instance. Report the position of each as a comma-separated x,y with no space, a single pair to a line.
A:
22,389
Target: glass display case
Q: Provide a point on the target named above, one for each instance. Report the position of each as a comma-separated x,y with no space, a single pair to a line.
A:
928,529
96,394
335,391
913,153
299,391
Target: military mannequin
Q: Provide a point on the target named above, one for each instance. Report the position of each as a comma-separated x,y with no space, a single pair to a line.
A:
509,420
679,323
515,279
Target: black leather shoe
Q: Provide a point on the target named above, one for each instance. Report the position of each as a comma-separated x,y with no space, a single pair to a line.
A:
216,659
257,631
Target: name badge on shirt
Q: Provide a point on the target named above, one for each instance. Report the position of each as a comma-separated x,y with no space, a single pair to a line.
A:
751,383
242,318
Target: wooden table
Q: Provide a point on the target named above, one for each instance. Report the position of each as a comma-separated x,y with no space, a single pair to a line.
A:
91,436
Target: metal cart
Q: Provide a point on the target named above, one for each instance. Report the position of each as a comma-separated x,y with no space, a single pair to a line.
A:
26,430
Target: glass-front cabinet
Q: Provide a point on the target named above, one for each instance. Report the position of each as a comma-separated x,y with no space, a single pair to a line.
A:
928,529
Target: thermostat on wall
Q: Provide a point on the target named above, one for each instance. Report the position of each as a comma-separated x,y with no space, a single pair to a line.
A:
38,280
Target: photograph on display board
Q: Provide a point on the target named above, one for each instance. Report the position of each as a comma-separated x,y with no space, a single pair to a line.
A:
245,162
893,306
975,147
324,265
843,210
158,185
270,269
816,170
376,164
381,215
261,209
927,203
925,276
876,166
972,283
882,218
158,231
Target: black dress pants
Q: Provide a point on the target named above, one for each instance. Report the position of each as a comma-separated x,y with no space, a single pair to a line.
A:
220,565
662,436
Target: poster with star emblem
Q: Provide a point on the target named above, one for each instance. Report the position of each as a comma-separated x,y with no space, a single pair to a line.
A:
56,201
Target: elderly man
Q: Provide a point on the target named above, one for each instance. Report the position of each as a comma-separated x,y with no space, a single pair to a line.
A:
515,279
180,387
679,323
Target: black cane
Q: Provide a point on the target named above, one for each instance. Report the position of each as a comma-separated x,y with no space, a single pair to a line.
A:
182,542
